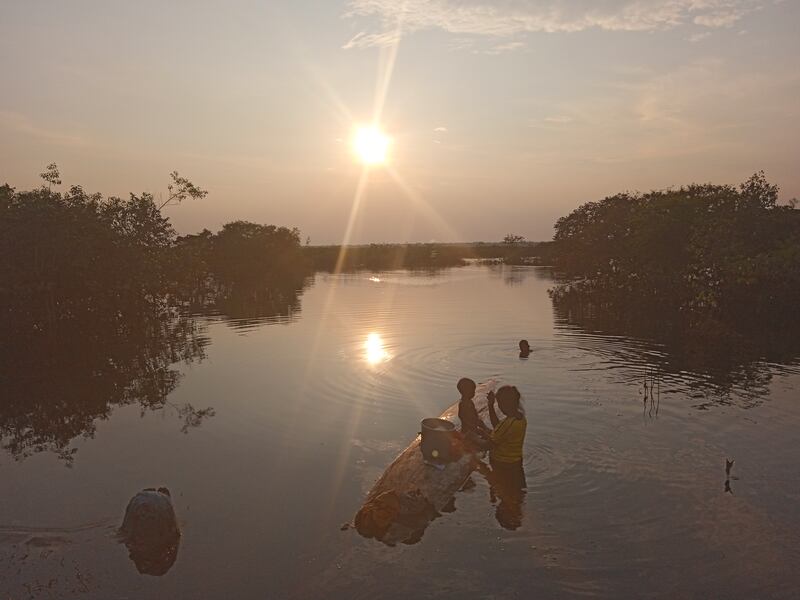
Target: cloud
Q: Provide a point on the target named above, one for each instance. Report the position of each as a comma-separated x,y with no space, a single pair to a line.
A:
16,122
707,112
558,119
709,103
719,19
507,47
366,40
506,18
440,129
697,37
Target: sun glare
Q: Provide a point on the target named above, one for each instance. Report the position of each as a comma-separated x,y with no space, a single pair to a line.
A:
375,352
370,145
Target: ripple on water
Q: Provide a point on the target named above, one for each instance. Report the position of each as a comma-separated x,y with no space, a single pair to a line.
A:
411,374
545,468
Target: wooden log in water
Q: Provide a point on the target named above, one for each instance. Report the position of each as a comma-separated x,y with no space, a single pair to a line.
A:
411,493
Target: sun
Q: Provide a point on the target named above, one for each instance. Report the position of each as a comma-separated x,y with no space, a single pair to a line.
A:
370,145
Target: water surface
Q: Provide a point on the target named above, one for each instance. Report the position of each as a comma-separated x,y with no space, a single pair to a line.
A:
627,493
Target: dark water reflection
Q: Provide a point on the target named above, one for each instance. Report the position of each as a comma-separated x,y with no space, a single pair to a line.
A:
247,307
59,395
65,393
626,492
711,367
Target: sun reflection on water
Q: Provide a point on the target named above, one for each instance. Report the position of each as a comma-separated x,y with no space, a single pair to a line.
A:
374,349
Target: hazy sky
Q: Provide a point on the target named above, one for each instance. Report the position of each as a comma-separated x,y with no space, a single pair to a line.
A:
504,115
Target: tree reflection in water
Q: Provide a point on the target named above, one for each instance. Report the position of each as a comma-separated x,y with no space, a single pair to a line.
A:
57,388
737,360
246,306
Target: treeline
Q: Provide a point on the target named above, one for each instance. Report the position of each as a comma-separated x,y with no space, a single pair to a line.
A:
386,257
244,271
716,258
77,268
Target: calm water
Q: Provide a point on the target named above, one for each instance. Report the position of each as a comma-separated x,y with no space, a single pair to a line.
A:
626,496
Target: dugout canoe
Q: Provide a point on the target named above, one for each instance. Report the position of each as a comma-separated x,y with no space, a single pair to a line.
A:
411,493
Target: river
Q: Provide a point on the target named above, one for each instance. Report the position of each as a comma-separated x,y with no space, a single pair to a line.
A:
291,419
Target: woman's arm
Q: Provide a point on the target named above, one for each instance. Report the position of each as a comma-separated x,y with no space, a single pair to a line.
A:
492,414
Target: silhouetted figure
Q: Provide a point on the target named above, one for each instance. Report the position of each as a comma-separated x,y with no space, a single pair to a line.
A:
524,349
474,429
507,478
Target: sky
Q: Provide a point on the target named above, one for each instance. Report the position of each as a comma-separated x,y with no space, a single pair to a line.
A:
503,116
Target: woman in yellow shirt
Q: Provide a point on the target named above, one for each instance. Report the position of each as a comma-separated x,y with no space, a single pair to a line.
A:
508,437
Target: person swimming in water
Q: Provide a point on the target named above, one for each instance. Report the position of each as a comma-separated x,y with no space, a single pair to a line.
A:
524,349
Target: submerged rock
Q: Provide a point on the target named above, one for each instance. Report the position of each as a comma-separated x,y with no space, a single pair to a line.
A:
150,531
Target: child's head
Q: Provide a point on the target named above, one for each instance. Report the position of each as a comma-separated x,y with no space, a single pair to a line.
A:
466,387
508,398
524,346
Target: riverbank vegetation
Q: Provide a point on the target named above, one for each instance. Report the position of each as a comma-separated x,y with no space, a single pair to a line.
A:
77,262
712,261
97,294
86,323
430,256
244,271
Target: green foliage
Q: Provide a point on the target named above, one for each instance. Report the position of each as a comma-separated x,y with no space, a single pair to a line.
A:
706,251
252,253
66,258
84,323
387,257
180,189
91,292
51,175
246,271
510,238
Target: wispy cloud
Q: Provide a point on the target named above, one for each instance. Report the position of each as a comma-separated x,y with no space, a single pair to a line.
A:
517,17
503,48
366,40
709,109
699,36
19,123
721,18
440,129
558,119
706,105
